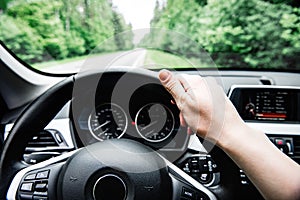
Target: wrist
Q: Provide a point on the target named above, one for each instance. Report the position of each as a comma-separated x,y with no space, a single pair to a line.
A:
234,136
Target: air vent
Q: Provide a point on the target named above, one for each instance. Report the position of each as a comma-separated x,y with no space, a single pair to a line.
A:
266,81
44,145
42,139
296,155
297,145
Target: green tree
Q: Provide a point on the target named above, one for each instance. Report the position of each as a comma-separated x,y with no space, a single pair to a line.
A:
3,4
44,18
123,40
24,40
63,28
237,33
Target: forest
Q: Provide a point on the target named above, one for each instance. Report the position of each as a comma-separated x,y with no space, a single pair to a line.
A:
43,30
235,33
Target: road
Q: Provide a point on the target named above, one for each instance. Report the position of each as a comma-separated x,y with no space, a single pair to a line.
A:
134,58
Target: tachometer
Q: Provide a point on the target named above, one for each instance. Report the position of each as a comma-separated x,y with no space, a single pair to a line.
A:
108,121
154,122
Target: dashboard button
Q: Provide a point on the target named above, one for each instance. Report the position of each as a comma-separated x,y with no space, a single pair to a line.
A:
279,142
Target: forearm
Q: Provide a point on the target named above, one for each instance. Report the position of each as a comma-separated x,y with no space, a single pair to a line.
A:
206,110
274,174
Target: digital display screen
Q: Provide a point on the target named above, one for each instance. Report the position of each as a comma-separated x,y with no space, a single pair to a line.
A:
267,104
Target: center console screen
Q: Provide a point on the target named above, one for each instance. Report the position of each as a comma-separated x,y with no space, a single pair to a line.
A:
267,104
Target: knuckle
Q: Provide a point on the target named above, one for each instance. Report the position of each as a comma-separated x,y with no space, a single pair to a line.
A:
171,86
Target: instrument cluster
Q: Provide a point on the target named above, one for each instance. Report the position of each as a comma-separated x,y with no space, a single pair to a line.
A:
154,122
137,109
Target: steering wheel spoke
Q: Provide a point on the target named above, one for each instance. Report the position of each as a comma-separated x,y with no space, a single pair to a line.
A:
41,181
38,181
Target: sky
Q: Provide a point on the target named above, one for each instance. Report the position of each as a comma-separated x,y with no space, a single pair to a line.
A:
137,12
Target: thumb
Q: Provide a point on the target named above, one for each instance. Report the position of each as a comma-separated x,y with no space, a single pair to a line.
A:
172,84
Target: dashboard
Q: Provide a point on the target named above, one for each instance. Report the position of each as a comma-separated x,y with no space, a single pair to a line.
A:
139,109
274,110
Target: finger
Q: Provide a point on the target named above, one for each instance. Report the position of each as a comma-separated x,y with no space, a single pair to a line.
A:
182,121
183,81
172,84
190,131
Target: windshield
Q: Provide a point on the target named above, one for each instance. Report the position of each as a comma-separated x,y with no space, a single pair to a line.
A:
59,36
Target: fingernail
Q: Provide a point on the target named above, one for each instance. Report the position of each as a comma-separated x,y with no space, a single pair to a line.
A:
164,75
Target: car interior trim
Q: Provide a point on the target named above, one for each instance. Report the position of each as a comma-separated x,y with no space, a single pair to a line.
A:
27,74
277,129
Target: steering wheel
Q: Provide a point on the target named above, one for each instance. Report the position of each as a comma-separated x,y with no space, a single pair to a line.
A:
113,169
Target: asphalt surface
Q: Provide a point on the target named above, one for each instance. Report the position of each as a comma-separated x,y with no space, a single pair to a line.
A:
133,58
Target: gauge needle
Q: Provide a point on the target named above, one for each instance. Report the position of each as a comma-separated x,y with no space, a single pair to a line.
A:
151,133
152,123
103,132
107,122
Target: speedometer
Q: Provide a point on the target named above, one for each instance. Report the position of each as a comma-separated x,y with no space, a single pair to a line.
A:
108,121
154,122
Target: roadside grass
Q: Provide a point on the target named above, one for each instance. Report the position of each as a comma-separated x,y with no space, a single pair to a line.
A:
157,59
154,60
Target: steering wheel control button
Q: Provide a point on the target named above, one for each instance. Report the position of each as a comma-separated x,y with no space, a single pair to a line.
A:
212,166
30,177
26,187
25,197
39,198
35,183
202,196
36,193
42,174
186,168
109,187
205,178
244,178
41,186
188,194
202,168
